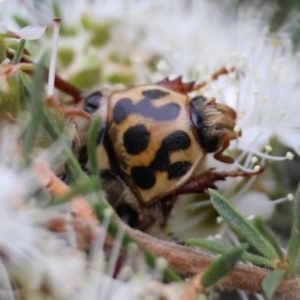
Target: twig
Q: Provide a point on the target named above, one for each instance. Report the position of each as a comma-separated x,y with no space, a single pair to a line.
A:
188,261
79,206
194,289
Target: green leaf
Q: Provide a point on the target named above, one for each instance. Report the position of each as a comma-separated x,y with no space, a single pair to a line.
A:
268,235
294,242
216,247
224,264
92,145
242,225
19,52
2,48
271,283
55,133
35,108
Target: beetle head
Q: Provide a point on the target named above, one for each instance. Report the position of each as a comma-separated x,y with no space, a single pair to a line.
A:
214,123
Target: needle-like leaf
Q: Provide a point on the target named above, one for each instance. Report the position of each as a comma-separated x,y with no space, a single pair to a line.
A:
242,225
224,264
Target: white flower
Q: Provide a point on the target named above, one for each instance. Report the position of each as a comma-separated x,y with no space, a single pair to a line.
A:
254,203
206,36
29,251
27,33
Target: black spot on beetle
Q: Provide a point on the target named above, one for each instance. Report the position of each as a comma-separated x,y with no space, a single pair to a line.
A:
136,139
92,102
143,177
178,169
177,140
199,99
122,110
128,215
124,107
166,112
161,160
154,94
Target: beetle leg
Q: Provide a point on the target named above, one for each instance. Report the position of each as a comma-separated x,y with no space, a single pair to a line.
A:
222,157
205,180
177,85
214,76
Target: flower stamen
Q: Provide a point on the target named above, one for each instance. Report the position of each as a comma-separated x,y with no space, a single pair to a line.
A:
289,197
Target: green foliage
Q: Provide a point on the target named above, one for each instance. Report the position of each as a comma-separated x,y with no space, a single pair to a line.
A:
120,59
294,242
92,145
86,78
2,49
271,283
120,78
65,56
10,101
269,236
223,265
100,32
218,248
35,109
19,52
242,225
56,10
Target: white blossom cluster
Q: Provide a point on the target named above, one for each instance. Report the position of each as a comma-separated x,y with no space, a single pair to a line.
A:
192,39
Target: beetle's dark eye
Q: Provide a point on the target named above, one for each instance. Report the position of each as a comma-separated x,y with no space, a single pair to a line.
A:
128,215
209,143
92,102
198,99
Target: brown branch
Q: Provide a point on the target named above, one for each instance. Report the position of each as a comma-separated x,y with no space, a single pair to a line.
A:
190,262
194,289
182,259
79,206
